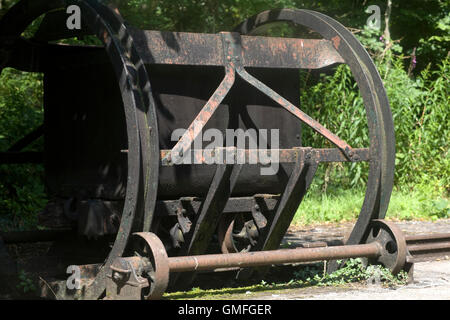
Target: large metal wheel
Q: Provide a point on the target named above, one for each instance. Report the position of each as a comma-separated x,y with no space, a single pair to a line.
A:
378,114
141,123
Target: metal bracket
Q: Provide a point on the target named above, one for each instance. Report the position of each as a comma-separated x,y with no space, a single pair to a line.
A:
125,281
258,217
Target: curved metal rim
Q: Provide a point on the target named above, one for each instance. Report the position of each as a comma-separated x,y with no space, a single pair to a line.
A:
160,267
224,234
379,118
400,241
102,21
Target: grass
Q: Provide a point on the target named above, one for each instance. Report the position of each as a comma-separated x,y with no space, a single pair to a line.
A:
420,203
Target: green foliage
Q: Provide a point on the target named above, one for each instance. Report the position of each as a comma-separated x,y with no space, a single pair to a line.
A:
21,186
421,118
352,271
25,282
441,208
338,205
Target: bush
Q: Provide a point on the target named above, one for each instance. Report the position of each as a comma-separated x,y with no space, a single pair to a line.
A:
421,119
21,186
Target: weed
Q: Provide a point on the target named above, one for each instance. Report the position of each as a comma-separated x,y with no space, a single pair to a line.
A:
25,282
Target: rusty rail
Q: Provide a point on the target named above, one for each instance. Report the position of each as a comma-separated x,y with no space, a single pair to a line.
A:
428,247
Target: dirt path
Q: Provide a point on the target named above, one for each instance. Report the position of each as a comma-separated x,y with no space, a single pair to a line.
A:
431,282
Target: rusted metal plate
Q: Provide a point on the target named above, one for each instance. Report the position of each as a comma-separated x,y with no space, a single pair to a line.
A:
180,48
234,205
249,156
183,48
274,52
428,247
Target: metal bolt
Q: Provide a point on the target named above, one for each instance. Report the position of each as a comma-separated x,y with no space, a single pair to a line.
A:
117,276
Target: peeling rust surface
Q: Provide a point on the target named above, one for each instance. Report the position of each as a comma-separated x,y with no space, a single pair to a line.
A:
336,41
183,48
249,156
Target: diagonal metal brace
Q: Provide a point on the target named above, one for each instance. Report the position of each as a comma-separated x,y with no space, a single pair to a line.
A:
184,144
234,41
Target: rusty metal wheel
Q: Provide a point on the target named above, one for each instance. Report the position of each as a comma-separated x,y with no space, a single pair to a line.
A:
237,233
392,242
151,249
378,115
141,123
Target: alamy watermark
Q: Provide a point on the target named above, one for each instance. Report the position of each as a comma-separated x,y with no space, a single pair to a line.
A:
219,148
74,20
374,21
74,280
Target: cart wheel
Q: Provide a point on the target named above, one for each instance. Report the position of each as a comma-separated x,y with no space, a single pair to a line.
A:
378,115
140,114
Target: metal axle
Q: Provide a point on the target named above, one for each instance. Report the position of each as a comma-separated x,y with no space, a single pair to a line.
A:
264,258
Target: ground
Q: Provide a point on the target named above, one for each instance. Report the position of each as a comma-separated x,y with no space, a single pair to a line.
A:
431,279
431,282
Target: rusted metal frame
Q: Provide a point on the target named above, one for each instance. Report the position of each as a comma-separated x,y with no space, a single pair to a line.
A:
205,224
183,48
296,188
285,155
212,207
315,125
234,42
233,52
386,236
184,144
192,206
